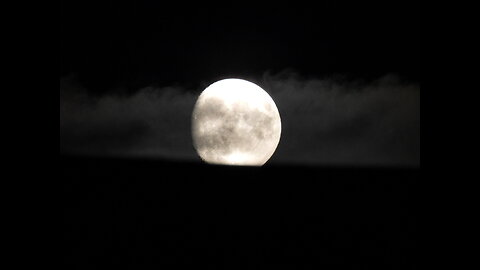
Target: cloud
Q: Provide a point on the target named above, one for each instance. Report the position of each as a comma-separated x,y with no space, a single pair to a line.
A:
347,122
153,122
331,121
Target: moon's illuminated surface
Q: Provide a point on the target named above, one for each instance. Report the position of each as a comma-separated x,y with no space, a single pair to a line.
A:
235,122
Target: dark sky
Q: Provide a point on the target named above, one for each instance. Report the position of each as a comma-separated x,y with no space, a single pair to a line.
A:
344,76
346,80
134,44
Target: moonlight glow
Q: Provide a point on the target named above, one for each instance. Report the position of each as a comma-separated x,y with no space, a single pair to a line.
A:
235,122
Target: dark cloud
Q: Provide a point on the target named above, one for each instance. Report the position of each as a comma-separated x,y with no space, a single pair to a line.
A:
153,122
324,121
344,122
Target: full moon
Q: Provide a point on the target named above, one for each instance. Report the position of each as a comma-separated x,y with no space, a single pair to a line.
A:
235,122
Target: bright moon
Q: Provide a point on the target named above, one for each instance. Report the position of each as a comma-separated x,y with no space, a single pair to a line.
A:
235,122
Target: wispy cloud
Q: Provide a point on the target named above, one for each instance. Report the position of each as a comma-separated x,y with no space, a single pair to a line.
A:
153,122
324,121
345,122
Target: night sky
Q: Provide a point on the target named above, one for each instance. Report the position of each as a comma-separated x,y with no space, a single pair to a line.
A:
337,193
134,44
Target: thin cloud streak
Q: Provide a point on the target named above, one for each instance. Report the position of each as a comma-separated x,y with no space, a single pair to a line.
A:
324,121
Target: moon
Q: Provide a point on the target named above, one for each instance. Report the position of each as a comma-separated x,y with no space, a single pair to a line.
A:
235,122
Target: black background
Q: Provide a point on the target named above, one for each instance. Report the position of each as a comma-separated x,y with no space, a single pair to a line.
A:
135,214
139,214
130,44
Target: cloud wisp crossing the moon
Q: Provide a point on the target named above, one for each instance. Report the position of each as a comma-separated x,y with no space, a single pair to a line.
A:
328,121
